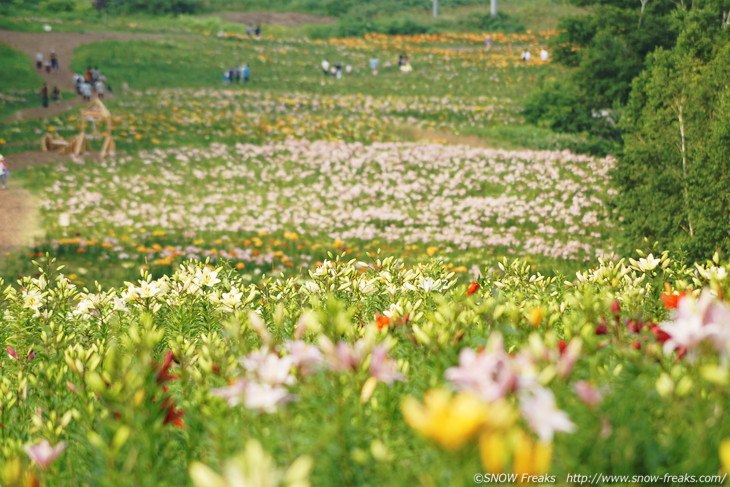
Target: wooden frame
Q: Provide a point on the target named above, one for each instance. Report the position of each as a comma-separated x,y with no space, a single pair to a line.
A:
94,112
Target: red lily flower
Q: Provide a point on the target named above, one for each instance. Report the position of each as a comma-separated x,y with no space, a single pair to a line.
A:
671,301
473,287
163,375
660,335
615,308
174,416
382,321
634,326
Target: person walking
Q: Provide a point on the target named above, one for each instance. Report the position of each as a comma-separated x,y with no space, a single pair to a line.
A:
56,94
4,172
99,88
44,95
246,73
54,61
78,79
86,91
39,61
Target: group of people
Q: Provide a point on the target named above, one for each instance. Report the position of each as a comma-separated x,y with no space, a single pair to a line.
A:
92,81
526,56
54,95
253,32
237,75
335,70
338,69
50,64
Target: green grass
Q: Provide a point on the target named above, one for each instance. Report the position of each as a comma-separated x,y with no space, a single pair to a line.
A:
455,16
157,64
19,81
89,20
17,71
294,66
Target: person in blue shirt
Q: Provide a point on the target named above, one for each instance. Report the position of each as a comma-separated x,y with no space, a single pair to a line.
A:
374,64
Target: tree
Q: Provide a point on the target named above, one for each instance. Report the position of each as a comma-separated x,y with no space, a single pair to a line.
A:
608,49
674,174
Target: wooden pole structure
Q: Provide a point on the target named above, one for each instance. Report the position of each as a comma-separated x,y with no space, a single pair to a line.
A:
435,8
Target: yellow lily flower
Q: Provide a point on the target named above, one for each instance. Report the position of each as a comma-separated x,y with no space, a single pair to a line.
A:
452,420
725,454
531,457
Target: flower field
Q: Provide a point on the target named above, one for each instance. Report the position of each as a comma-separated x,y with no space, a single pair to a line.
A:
458,86
368,374
280,207
306,280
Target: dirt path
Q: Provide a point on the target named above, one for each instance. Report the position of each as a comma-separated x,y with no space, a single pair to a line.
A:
19,218
64,44
40,112
19,209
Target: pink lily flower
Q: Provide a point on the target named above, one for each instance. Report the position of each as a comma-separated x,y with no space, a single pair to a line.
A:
43,454
12,352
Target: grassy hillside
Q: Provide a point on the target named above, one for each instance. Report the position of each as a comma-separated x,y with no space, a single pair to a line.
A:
19,81
382,15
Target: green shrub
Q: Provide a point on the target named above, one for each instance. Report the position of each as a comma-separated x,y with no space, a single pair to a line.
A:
56,6
558,106
355,27
403,26
501,23
156,7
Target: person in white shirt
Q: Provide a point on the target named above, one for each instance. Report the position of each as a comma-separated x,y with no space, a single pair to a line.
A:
543,55
86,91
326,67
99,87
